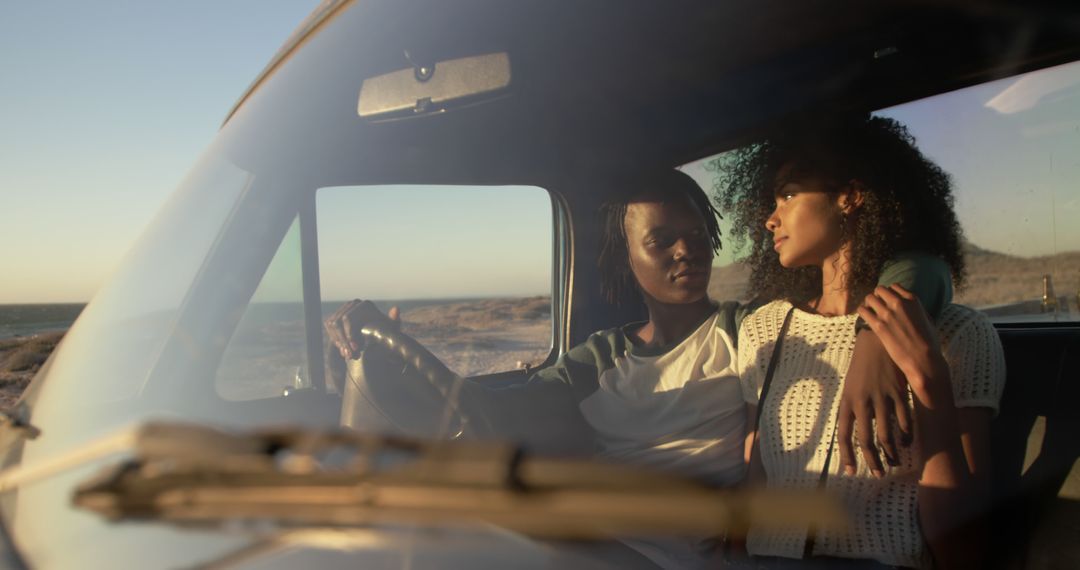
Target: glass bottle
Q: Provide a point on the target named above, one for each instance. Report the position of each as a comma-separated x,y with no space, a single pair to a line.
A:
1049,300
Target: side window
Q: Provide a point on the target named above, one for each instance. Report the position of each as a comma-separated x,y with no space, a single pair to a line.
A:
1012,148
468,267
267,352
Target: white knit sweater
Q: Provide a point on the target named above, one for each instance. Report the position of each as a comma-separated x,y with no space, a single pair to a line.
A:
799,419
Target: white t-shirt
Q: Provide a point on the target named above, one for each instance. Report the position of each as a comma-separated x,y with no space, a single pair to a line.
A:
680,410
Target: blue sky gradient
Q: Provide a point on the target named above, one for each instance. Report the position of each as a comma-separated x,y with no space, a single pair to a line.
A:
104,107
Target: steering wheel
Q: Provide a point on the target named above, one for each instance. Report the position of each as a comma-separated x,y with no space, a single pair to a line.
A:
396,384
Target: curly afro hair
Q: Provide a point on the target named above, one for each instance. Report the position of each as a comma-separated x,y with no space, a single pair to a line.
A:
907,200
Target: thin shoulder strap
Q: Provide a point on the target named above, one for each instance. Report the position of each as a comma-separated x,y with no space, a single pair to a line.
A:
772,366
808,545
755,450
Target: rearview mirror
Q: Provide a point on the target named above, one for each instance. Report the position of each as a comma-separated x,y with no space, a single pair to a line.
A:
425,89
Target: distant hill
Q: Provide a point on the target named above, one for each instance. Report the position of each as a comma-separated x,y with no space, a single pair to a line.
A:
993,278
972,250
997,278
729,282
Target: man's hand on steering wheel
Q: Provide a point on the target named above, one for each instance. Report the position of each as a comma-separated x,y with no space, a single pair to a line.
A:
359,322
343,327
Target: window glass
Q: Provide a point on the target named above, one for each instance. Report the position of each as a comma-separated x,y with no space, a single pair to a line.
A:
468,267
267,353
1012,148
119,335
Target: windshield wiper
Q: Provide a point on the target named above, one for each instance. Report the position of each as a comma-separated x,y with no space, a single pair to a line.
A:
304,478
15,420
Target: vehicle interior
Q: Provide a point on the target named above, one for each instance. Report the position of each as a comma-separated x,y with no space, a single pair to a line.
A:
555,104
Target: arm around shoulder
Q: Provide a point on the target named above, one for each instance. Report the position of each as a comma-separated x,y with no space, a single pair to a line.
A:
926,276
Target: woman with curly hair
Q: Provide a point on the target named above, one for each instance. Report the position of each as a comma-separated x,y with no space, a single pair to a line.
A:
824,206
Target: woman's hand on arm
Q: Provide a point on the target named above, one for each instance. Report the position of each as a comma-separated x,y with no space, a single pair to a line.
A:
899,321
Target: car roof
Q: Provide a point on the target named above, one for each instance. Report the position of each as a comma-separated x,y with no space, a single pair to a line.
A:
664,82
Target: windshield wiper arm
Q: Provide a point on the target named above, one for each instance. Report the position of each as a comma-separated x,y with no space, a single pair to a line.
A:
196,476
15,420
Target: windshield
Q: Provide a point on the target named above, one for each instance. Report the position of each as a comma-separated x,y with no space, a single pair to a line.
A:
217,315
406,230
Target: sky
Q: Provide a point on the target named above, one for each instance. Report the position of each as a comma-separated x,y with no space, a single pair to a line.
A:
104,107
446,225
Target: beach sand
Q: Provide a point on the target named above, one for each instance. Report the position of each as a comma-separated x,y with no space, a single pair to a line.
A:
472,338
20,359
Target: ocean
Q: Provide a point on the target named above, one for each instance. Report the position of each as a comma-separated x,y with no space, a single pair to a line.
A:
26,320
31,319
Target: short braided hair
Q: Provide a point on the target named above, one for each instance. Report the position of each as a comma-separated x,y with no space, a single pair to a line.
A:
616,278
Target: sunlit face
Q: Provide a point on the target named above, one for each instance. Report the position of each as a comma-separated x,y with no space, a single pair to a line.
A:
669,248
806,223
